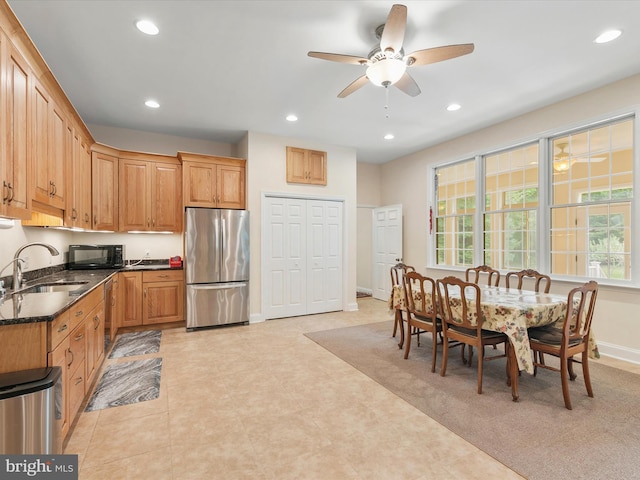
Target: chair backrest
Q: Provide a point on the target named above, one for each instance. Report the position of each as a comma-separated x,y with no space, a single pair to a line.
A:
540,279
423,288
478,272
460,303
398,271
577,322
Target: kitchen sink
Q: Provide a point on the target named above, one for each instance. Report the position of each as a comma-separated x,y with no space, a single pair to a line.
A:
54,287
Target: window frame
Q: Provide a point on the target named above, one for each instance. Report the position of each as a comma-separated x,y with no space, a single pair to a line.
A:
544,210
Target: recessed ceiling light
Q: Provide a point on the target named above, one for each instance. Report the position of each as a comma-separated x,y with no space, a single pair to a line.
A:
453,107
389,136
292,118
145,26
608,36
152,104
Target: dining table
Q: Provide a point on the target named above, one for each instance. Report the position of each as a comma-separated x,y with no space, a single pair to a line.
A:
511,311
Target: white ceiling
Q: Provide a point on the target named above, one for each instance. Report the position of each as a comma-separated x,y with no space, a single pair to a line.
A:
221,68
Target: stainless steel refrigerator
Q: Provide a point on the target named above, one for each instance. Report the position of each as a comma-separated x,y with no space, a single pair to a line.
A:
216,267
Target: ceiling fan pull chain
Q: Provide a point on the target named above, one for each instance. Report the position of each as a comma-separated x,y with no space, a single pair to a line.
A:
386,102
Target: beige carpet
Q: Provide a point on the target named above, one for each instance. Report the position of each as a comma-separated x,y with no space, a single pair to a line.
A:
537,437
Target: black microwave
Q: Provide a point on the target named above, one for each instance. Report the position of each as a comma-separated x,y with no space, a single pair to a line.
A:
89,257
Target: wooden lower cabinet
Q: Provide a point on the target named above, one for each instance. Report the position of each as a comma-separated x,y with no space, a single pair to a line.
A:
130,296
60,357
94,333
163,297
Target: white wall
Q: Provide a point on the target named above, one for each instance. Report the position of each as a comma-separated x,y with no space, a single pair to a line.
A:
266,173
616,324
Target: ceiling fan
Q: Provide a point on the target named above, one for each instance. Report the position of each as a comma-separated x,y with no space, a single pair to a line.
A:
562,160
387,64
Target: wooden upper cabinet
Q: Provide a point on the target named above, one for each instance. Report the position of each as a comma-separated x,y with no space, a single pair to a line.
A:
49,132
213,182
104,190
15,147
306,166
150,193
78,194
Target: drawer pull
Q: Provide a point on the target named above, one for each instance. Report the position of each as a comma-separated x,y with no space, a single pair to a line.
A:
163,276
78,380
79,313
97,320
63,328
70,353
79,337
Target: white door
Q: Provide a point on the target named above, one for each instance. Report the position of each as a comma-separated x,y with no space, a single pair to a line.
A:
387,247
324,267
302,257
285,250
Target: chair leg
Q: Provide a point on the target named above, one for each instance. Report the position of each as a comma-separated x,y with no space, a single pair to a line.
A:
480,362
572,375
564,375
585,373
445,354
395,323
434,335
408,345
400,321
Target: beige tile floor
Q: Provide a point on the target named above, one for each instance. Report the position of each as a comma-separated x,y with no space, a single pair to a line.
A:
265,402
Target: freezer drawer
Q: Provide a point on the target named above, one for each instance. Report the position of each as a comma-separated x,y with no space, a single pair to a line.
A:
214,304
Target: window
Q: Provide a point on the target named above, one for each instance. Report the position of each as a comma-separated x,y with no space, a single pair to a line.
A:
510,216
591,188
584,202
456,201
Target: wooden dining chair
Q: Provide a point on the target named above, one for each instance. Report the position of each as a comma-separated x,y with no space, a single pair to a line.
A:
570,339
422,316
397,276
483,270
540,280
462,320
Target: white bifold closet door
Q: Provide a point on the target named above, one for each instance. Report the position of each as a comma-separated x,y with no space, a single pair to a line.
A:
302,257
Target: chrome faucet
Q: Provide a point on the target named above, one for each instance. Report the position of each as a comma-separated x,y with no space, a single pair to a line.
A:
17,268
2,289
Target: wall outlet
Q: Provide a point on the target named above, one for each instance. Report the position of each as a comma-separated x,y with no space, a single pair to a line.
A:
147,253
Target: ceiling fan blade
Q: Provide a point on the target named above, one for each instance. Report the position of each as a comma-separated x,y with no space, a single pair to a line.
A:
337,57
408,85
438,54
353,86
393,33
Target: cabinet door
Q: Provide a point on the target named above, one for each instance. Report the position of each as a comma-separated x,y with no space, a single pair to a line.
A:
56,164
42,183
163,302
94,334
199,184
131,295
134,195
59,358
104,183
296,165
16,198
317,167
230,186
166,198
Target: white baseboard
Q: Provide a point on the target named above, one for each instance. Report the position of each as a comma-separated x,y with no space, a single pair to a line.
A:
368,291
621,353
351,307
256,318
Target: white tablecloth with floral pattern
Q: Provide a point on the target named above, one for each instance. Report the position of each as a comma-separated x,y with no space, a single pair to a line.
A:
512,311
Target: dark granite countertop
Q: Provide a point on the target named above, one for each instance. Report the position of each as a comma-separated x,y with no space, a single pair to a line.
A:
17,308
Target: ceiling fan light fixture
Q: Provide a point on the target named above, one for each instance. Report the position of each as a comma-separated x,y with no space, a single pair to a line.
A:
386,72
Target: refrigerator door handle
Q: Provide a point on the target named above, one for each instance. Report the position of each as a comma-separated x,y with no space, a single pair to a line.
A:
218,286
224,235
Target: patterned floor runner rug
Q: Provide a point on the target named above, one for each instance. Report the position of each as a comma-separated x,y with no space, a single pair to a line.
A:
125,383
136,343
